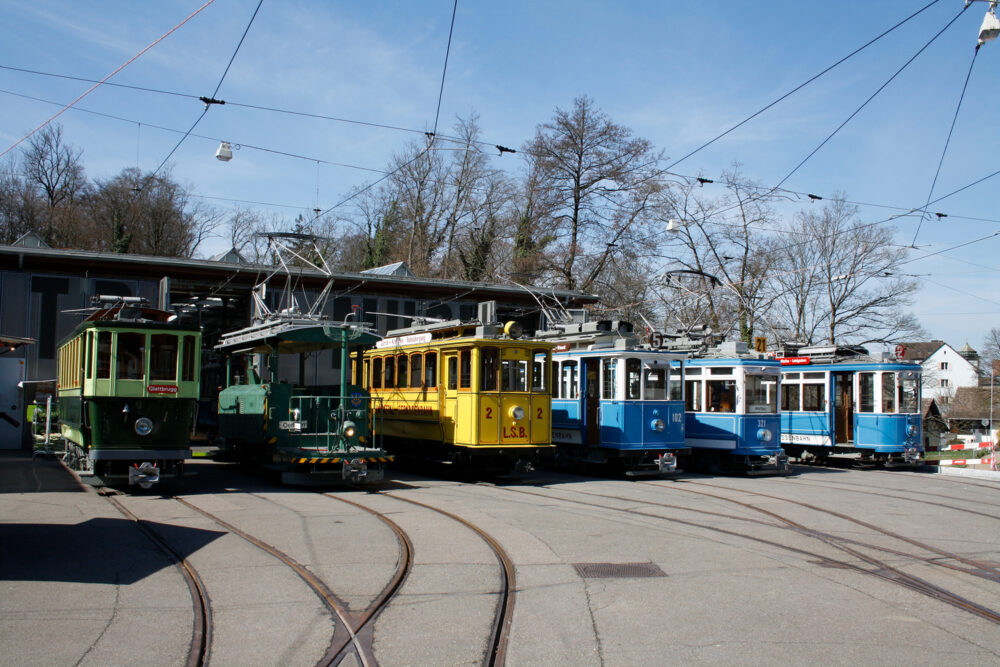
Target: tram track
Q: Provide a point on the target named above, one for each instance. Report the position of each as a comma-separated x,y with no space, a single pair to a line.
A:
496,646
875,567
199,652
347,637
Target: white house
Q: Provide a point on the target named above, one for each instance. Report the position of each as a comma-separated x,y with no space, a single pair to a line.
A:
944,367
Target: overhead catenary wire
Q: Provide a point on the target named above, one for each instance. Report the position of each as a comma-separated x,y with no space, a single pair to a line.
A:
210,101
803,84
944,151
120,68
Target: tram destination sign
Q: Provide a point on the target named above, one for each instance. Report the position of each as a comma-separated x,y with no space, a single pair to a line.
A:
795,361
399,341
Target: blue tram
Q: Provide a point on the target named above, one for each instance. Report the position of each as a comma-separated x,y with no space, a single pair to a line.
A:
840,400
616,403
731,402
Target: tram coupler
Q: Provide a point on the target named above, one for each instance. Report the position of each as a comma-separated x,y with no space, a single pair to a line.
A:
145,474
667,463
356,471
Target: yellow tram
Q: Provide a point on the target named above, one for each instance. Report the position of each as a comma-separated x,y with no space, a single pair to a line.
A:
462,392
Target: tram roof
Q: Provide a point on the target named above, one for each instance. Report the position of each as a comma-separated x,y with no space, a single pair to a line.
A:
293,336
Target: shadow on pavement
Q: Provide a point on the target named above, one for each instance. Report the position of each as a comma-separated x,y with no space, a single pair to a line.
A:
98,551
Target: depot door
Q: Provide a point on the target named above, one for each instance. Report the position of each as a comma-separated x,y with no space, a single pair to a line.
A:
592,399
843,408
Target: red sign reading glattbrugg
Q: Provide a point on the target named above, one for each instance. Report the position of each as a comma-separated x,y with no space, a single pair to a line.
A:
162,389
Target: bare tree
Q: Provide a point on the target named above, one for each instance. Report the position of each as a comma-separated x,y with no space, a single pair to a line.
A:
854,290
52,169
598,181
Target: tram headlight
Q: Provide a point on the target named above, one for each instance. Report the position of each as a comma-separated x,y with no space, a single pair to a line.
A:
517,412
658,425
764,434
143,425
911,429
349,430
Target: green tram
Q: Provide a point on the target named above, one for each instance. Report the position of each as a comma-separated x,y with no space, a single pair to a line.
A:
311,435
128,383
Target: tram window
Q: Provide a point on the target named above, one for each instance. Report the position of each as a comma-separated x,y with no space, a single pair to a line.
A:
790,397
515,375
676,381
814,375
131,352
389,378
692,395
402,371
791,376
692,370
465,376
430,370
909,393
489,366
89,352
540,371
721,395
367,379
656,383
104,354
866,392
376,376
189,361
163,357
761,395
888,392
570,379
633,377
721,370
416,368
813,397
452,372
557,387
609,383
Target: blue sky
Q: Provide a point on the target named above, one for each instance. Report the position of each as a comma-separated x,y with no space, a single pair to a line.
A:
677,73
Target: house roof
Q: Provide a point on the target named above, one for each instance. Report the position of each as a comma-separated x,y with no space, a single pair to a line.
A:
918,351
974,403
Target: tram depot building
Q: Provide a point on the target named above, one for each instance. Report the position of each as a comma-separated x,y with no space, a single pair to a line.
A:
44,294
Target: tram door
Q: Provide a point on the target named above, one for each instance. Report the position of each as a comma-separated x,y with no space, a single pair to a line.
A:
592,400
843,408
449,410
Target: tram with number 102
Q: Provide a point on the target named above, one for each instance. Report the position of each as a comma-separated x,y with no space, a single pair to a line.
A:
617,404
